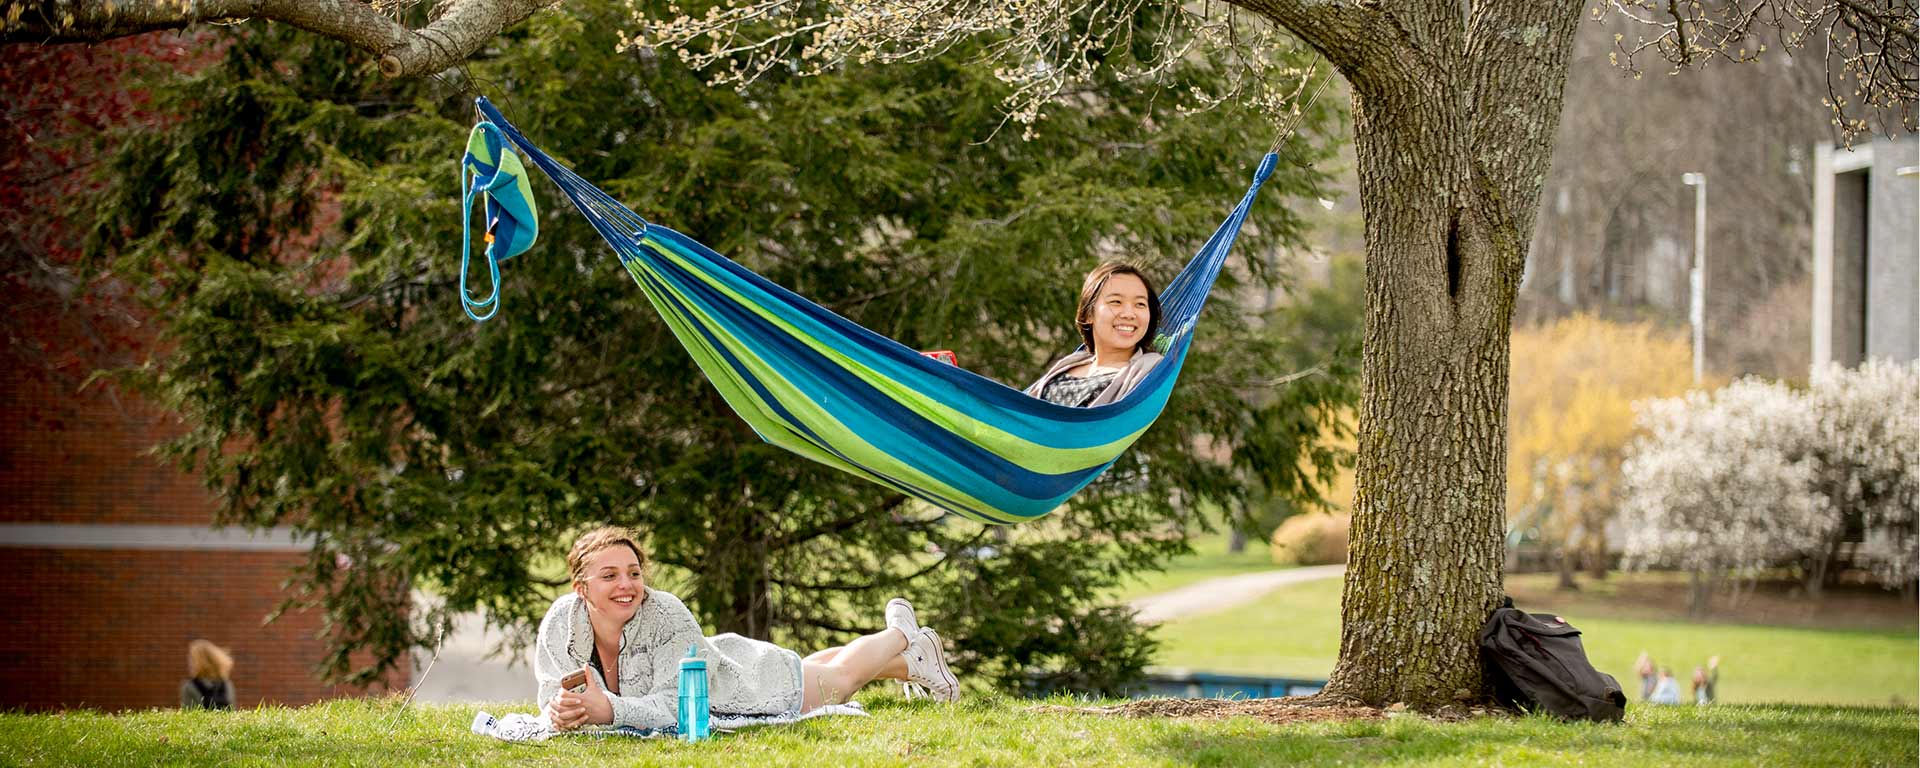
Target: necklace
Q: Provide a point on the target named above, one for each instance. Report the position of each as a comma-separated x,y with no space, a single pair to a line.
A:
1094,366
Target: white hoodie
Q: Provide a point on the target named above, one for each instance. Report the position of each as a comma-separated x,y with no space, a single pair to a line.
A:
744,676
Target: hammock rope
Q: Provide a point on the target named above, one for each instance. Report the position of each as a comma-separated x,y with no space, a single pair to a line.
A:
825,388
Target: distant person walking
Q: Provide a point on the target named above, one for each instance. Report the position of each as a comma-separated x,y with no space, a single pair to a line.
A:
210,681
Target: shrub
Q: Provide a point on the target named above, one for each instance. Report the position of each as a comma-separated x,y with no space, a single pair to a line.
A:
1759,475
1311,539
1570,417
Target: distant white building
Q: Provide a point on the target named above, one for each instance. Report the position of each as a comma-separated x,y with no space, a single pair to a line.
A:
1866,251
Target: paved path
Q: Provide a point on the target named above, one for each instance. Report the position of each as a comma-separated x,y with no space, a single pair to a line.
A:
1215,595
465,673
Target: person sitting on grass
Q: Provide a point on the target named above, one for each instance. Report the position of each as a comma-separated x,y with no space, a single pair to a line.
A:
628,640
1643,667
209,683
1667,690
1705,680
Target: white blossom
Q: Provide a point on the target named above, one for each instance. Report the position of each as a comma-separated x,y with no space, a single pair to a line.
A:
1043,49
1869,443
1758,474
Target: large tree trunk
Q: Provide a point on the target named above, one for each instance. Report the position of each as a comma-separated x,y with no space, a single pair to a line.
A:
735,572
1817,574
1567,555
1424,562
1452,131
745,601
1699,593
1597,561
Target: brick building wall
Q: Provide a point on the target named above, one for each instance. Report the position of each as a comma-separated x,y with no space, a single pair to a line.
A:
109,565
82,456
108,629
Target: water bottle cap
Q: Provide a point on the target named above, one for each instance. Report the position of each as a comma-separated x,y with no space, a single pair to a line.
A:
693,660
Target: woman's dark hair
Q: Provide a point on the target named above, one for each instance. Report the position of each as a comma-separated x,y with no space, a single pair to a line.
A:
1090,297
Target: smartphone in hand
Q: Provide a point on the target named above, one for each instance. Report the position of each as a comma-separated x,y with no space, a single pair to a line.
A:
576,682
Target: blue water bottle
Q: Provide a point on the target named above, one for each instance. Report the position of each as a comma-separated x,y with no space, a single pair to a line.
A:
693,724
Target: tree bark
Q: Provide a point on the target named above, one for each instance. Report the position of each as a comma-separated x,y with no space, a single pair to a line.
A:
1817,574
1700,593
458,32
1566,583
1454,110
736,569
1597,563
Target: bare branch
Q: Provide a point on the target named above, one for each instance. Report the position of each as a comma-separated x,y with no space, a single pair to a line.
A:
1868,47
462,28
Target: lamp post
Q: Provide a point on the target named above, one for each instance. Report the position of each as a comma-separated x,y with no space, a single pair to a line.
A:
1697,277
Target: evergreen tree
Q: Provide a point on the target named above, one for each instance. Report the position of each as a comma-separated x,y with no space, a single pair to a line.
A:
296,226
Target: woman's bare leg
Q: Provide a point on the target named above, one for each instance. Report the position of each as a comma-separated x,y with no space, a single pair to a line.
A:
852,667
895,669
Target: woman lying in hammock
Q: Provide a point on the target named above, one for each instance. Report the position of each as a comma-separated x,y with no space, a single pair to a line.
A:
1119,313
628,639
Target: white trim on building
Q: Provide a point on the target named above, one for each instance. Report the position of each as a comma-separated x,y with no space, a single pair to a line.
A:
161,537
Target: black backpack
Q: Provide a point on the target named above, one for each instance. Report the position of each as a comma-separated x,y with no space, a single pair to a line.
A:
213,695
1535,662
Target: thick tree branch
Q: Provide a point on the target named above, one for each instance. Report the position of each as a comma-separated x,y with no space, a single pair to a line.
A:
832,626
1512,145
1379,46
462,29
1343,32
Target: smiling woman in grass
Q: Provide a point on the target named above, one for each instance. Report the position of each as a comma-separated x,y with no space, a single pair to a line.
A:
628,639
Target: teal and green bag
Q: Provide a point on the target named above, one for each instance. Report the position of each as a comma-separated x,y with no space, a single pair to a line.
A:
492,170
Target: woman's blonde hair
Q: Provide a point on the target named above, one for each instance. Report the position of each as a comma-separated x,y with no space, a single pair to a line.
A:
591,542
208,661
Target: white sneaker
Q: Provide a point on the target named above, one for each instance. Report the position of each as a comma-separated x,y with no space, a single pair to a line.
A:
927,666
900,616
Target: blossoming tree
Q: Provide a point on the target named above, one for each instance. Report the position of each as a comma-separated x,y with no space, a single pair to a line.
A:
1758,475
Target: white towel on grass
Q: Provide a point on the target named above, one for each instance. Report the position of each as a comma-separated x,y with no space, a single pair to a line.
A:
520,726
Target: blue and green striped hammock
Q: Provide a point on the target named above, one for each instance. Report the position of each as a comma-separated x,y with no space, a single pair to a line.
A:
821,386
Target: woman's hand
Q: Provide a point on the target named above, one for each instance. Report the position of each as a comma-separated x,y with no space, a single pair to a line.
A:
570,710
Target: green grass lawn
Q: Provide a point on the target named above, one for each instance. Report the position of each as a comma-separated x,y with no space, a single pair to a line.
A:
1210,560
1662,596
980,731
1295,632
1291,632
